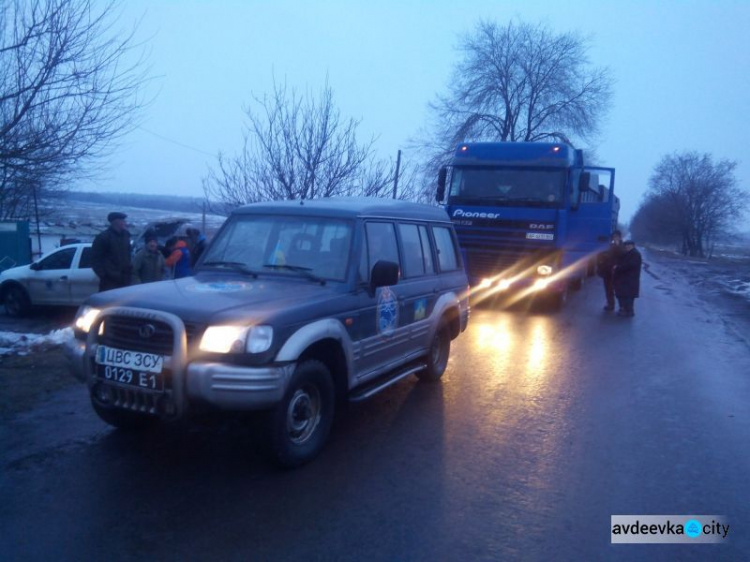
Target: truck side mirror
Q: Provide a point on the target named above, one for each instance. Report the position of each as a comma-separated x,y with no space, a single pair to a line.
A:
384,274
441,184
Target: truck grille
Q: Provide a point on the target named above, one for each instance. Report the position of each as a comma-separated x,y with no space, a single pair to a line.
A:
125,332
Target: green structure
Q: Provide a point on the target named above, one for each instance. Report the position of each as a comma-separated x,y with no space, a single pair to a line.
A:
15,246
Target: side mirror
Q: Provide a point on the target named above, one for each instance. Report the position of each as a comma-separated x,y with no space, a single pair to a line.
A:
384,274
35,266
441,184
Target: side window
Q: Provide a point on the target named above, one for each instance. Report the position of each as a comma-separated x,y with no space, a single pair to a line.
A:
426,250
447,258
381,243
85,262
413,265
59,260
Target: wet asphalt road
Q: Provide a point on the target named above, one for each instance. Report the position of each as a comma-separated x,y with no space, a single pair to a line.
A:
543,427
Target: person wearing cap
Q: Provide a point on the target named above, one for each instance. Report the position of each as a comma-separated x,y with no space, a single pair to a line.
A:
606,261
148,264
627,278
110,254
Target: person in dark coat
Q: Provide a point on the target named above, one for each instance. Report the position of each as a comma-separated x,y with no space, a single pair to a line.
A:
110,254
627,278
148,264
606,261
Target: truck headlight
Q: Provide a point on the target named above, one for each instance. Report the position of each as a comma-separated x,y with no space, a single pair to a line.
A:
544,270
235,339
85,317
260,339
224,339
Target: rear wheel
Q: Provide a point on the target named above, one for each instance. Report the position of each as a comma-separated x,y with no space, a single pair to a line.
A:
437,357
301,422
16,301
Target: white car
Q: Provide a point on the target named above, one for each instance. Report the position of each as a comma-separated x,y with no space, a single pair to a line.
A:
62,277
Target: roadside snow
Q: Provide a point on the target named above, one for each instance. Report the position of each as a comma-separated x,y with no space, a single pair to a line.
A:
12,343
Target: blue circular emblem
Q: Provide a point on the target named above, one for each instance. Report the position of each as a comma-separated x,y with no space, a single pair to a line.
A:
693,528
387,312
220,287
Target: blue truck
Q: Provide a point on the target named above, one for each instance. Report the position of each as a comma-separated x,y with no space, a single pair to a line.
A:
530,217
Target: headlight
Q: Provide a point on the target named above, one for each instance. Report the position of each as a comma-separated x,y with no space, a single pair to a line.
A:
235,339
85,317
544,270
260,339
224,339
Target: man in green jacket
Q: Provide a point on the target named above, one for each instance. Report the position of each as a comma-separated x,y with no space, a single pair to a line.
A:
148,265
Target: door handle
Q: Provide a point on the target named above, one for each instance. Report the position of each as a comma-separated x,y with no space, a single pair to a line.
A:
64,278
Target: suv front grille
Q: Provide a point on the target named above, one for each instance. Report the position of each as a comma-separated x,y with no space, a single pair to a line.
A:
127,332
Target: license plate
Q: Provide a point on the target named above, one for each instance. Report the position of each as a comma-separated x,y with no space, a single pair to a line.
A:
134,360
130,377
132,368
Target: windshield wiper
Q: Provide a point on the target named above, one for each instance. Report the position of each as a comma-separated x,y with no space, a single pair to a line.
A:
234,265
306,271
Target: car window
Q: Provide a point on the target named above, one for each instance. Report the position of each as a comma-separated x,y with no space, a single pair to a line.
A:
85,262
284,245
59,260
426,250
381,243
447,256
413,262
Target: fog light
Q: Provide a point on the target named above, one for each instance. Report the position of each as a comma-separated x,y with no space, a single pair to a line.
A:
544,270
503,285
485,283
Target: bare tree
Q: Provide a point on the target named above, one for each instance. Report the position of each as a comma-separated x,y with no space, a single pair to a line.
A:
694,199
69,88
297,147
519,82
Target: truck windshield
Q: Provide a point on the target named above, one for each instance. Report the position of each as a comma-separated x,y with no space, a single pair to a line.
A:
312,247
507,186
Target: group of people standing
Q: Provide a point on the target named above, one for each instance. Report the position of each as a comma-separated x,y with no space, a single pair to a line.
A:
620,268
111,256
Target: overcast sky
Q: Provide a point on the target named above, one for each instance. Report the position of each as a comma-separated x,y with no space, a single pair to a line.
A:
681,70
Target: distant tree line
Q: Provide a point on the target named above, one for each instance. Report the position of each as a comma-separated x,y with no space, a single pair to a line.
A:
692,201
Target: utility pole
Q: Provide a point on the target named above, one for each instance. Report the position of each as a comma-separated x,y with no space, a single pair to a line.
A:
36,213
395,179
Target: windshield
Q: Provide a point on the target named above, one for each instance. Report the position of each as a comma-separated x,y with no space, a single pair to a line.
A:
508,185
313,247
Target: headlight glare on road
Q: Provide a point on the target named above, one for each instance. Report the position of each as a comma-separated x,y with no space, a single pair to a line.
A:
260,339
224,339
85,317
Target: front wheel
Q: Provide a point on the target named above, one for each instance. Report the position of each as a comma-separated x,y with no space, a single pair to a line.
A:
437,358
301,422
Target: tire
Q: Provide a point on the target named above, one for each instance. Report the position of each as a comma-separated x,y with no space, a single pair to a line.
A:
300,423
437,357
16,301
122,419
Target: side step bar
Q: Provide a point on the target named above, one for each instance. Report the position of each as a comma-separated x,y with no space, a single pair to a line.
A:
382,383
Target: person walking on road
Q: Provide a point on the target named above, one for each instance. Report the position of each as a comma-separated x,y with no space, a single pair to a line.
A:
110,254
148,264
627,278
605,265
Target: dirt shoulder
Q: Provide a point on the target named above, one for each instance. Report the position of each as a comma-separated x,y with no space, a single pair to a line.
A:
26,380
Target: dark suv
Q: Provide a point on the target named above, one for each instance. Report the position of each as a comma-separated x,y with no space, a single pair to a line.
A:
294,306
